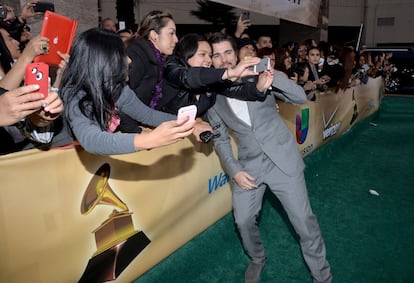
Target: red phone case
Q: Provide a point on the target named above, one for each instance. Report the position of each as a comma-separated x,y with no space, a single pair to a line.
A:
61,31
38,73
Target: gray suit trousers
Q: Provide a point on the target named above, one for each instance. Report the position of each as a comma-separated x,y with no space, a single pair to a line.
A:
292,193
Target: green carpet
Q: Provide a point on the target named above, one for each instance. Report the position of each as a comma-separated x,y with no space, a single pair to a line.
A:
368,237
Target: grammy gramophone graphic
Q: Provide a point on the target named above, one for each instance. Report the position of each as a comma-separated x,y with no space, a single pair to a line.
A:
355,114
117,242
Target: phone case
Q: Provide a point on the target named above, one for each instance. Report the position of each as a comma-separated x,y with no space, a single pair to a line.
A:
61,31
190,111
262,66
38,73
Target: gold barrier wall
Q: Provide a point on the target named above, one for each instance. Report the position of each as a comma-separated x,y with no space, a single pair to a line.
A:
173,193
69,216
332,114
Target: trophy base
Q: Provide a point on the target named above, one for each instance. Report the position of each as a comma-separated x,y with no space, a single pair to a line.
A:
109,264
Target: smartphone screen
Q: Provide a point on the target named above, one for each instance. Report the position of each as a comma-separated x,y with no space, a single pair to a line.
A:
121,25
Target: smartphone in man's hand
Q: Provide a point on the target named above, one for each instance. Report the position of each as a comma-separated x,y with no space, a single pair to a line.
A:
263,65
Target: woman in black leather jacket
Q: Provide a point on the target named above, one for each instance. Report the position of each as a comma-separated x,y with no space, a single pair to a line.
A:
185,77
190,80
188,76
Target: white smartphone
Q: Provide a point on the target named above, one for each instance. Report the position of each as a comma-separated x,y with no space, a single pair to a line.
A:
121,25
190,111
321,61
262,66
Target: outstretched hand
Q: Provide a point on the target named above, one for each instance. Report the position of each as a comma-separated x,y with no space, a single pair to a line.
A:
166,133
36,46
241,69
242,25
28,11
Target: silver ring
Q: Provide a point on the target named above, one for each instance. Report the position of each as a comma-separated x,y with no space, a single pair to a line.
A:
44,48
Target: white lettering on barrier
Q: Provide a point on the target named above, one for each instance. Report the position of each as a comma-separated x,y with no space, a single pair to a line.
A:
331,131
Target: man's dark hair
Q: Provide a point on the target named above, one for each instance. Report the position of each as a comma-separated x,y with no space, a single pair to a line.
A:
218,37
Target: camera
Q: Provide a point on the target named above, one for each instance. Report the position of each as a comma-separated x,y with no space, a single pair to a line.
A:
3,13
206,136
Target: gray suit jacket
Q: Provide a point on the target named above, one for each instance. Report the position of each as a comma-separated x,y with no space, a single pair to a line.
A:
268,134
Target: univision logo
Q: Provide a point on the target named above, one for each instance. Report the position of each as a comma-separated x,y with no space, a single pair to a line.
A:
302,126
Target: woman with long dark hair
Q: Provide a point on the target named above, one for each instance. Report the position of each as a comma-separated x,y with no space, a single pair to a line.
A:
156,41
190,78
95,91
188,74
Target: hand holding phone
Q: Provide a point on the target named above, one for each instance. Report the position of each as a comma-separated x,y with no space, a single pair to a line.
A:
38,73
190,111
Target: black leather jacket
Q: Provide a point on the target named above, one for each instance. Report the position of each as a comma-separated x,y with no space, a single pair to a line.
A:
183,83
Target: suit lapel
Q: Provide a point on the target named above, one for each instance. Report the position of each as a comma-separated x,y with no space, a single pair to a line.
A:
223,107
229,110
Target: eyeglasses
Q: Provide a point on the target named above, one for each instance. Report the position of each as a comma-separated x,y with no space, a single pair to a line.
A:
302,49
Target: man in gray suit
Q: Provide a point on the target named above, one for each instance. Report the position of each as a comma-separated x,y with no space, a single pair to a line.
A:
267,157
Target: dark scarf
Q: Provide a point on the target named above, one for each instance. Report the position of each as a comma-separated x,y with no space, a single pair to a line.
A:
158,87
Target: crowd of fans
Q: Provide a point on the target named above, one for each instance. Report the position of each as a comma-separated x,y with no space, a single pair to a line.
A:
130,87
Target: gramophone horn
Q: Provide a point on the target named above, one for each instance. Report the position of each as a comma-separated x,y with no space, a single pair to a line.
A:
99,192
